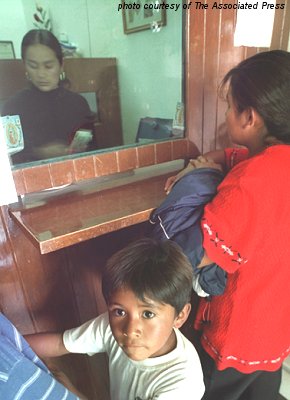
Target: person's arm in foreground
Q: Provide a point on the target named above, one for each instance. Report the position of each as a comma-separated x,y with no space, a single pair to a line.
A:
47,344
51,345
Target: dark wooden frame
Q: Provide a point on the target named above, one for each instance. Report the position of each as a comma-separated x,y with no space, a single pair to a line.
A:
144,22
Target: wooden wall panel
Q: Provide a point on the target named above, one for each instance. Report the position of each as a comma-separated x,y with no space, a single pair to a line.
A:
211,70
194,76
210,53
280,35
228,57
12,299
41,280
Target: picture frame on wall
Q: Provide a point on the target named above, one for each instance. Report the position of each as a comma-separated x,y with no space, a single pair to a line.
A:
139,16
6,50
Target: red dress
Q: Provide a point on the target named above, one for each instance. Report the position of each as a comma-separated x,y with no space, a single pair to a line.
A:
246,231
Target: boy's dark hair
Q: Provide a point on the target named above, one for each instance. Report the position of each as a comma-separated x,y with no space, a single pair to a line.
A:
41,36
152,269
263,82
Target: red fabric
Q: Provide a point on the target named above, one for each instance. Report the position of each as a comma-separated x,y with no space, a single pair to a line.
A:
234,155
247,232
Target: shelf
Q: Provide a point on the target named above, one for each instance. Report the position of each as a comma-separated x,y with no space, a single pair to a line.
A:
56,222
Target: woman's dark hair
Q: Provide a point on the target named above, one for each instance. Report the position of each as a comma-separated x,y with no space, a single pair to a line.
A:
263,82
152,269
41,36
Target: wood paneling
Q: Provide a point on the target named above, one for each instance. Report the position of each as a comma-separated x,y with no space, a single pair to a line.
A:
99,76
210,53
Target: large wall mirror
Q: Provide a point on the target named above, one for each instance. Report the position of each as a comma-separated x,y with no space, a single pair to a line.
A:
149,62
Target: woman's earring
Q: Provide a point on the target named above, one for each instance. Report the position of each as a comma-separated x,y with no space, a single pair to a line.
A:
27,76
62,76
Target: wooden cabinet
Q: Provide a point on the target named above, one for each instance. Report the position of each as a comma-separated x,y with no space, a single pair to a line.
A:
59,290
99,76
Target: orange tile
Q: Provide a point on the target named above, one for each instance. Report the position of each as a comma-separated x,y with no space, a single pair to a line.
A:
19,181
62,172
146,155
37,178
106,163
127,159
46,176
84,168
163,152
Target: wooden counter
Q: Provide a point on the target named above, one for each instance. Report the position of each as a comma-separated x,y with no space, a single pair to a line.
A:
88,212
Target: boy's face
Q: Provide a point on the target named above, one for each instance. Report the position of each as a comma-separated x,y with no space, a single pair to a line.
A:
142,329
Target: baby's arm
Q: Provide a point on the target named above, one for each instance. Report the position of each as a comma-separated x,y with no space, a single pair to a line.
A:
205,261
212,159
217,156
47,344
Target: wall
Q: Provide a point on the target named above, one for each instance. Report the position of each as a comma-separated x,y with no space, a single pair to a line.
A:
12,22
149,64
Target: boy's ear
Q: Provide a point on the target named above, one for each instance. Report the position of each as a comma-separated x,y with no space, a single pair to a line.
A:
182,316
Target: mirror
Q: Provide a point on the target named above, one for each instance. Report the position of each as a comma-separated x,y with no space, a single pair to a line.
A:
149,61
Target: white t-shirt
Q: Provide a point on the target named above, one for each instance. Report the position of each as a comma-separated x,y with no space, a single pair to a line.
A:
176,375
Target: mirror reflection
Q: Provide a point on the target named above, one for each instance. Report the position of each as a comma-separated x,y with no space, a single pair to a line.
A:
130,83
55,121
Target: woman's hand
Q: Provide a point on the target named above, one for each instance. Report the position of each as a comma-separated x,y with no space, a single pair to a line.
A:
205,162
173,179
199,162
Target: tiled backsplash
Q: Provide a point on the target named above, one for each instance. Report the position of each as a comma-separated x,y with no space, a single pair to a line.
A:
47,176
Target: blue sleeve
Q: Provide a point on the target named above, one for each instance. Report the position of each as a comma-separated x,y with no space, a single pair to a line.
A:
23,375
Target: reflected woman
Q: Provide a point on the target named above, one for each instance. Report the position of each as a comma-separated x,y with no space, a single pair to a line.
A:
49,113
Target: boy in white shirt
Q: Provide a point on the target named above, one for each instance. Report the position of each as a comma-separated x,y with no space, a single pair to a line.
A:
147,288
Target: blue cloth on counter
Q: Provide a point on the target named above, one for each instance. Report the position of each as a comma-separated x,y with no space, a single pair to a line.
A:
178,219
23,376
